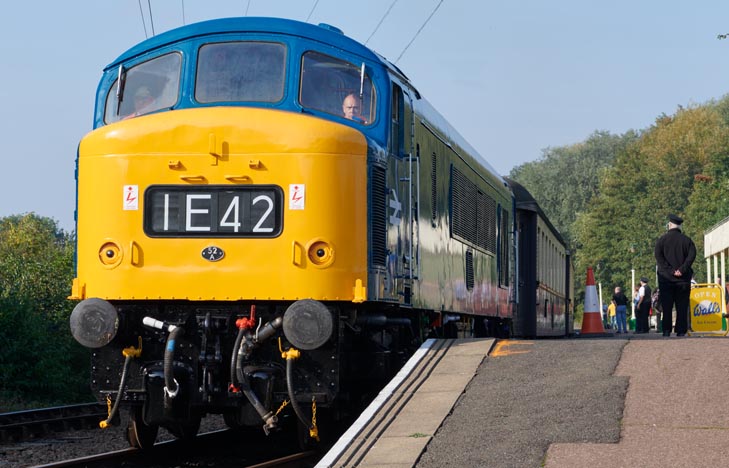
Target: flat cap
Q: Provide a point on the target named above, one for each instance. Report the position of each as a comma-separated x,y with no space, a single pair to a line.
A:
643,279
675,219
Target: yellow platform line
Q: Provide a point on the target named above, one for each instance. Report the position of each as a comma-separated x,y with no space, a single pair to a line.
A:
502,348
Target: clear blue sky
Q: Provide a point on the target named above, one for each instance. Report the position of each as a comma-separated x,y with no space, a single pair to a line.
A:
513,77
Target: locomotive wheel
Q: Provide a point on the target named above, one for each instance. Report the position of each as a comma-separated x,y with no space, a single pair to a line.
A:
187,430
139,434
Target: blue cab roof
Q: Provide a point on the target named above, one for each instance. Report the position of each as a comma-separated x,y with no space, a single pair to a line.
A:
326,34
322,33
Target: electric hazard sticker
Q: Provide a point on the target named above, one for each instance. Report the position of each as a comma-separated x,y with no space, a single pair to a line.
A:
131,197
296,196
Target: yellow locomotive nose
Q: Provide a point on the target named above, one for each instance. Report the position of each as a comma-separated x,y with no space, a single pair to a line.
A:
280,216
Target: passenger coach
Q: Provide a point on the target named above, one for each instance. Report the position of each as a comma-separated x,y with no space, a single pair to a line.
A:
545,275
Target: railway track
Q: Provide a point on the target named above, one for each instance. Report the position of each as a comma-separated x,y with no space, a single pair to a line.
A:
206,450
222,448
21,432
25,425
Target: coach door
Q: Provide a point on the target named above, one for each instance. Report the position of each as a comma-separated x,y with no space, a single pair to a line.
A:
403,184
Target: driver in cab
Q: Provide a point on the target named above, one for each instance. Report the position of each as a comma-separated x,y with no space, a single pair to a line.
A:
352,107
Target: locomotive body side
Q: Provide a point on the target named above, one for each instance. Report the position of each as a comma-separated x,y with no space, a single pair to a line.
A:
466,224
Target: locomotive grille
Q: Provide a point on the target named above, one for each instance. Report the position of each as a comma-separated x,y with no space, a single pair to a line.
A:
378,235
469,270
473,213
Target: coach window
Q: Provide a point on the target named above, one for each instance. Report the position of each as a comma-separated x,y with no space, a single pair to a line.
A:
147,87
327,81
241,71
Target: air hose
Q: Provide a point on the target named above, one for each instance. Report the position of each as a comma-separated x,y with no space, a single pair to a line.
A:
129,354
169,362
234,357
244,344
243,325
291,355
171,385
269,418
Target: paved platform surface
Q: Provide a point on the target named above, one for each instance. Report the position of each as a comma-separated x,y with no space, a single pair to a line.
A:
675,410
622,401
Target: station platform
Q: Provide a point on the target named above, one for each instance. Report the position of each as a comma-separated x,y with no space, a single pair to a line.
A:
396,427
622,401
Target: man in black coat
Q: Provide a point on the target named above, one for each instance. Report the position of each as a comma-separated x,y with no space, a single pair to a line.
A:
675,253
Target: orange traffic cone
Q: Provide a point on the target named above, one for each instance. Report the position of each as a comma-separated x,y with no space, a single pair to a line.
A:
592,318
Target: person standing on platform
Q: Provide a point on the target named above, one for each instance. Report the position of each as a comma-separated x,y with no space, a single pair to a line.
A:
643,307
611,316
621,309
675,253
657,308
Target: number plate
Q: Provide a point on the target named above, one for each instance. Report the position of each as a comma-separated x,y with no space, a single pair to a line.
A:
213,211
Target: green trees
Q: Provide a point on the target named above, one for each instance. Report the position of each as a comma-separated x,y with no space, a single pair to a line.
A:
566,178
614,214
675,167
40,361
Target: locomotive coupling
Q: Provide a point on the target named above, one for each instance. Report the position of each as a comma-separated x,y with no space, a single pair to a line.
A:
308,324
94,322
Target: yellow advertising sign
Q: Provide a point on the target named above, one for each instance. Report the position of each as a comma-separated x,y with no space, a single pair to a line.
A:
706,308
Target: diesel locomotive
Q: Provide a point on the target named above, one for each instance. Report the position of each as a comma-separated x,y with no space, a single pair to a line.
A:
269,213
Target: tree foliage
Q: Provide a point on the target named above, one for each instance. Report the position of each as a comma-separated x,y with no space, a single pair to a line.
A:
566,178
613,200
40,361
662,173
610,196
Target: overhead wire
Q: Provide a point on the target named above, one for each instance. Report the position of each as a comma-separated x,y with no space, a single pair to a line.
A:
144,24
247,7
416,34
151,20
381,20
312,10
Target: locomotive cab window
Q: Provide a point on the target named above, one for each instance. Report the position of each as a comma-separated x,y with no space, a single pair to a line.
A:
337,87
241,71
147,87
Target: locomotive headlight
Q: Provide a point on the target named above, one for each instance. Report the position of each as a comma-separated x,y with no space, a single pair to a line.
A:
320,253
307,324
94,322
110,254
